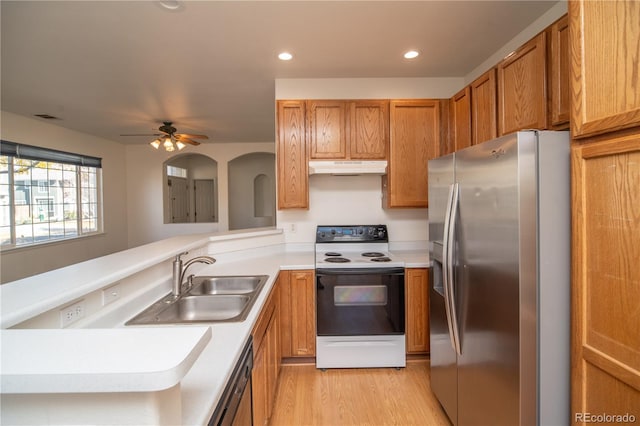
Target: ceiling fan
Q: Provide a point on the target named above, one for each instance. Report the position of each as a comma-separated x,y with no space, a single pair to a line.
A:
169,139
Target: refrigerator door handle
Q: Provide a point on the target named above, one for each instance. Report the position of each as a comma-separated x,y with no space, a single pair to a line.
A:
451,232
445,264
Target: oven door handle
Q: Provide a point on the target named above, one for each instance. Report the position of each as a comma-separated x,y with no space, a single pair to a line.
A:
360,271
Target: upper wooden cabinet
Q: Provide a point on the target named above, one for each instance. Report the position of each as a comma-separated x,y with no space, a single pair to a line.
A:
522,100
368,129
341,130
559,93
484,113
292,169
460,120
415,139
327,127
605,59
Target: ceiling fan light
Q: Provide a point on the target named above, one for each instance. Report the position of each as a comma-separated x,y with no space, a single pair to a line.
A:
168,145
155,143
180,145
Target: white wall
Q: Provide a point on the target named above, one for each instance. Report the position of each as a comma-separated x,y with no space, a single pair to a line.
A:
144,189
24,262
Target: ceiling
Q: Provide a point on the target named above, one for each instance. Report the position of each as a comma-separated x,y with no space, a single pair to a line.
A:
108,68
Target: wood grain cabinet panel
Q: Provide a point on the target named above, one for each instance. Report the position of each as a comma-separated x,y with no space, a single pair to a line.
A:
559,82
522,100
368,129
417,310
460,120
605,59
414,140
297,313
266,358
484,112
327,129
606,276
292,169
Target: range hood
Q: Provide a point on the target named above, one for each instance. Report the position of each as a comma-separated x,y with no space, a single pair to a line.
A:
347,167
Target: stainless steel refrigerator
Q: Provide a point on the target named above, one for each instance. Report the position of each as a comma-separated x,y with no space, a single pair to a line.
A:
499,230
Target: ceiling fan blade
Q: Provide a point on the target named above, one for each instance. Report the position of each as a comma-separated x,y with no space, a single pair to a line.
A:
142,134
190,136
189,141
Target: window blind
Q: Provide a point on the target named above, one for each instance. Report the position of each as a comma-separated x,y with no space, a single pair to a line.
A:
30,152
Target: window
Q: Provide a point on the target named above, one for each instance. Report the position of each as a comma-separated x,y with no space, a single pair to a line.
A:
47,195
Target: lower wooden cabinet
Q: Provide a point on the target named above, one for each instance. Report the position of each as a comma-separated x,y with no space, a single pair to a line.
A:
417,310
297,313
266,359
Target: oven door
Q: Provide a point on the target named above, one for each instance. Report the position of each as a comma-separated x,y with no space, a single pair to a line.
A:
360,301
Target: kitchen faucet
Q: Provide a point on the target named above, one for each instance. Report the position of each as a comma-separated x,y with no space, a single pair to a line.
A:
179,270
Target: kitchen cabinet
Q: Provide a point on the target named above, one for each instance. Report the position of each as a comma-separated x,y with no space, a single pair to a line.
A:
414,139
605,353
368,129
343,130
327,129
484,112
559,60
522,100
417,310
266,359
297,313
604,73
292,169
460,121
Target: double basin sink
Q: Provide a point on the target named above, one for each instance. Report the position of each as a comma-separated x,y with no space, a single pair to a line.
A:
210,299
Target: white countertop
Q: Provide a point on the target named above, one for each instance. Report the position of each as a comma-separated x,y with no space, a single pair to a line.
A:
66,361
204,382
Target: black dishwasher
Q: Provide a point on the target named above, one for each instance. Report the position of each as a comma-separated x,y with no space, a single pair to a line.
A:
235,404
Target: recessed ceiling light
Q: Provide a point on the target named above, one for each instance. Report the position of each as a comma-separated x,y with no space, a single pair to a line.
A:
411,54
285,56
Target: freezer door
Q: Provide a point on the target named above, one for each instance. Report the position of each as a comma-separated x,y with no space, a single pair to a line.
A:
443,375
441,176
487,281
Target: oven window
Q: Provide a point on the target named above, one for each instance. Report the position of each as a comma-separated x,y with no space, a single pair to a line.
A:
359,304
366,295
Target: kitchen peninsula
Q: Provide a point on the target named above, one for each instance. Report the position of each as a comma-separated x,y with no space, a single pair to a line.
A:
114,288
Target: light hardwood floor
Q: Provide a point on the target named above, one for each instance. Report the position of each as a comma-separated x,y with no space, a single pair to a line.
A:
380,396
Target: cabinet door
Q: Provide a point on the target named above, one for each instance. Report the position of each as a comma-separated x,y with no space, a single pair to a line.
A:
606,277
605,59
559,96
417,310
415,139
368,129
484,113
522,97
460,117
291,152
327,129
297,314
259,387
303,313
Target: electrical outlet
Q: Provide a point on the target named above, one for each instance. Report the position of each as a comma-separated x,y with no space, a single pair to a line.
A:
110,294
71,313
292,228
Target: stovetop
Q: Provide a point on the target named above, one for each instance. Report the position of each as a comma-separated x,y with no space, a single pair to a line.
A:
354,246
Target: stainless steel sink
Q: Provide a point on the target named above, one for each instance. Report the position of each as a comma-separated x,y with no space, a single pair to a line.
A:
227,284
211,299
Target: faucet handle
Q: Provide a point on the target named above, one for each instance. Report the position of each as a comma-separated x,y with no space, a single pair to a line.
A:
180,255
